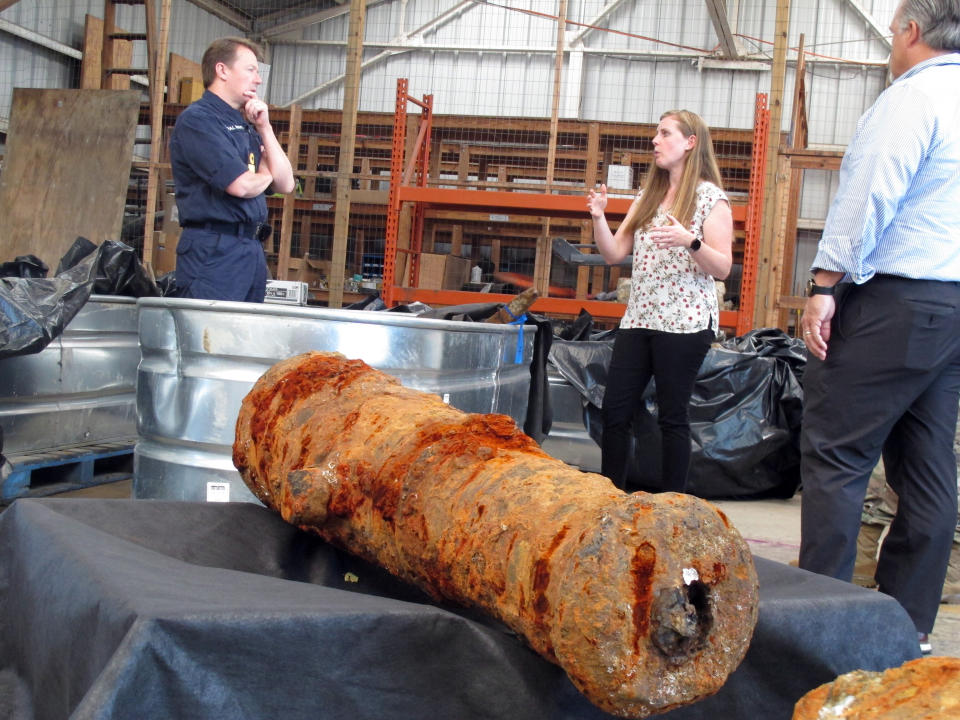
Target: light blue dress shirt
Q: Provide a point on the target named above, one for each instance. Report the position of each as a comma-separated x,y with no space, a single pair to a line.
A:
897,207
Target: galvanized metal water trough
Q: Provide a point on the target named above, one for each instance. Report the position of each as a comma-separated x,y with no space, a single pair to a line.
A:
199,359
80,388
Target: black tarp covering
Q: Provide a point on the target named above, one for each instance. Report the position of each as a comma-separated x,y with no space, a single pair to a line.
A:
34,309
745,414
151,609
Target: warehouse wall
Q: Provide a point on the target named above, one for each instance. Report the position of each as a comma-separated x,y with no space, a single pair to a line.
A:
489,60
25,62
624,60
485,59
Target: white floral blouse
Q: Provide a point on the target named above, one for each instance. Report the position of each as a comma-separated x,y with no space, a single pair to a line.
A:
668,290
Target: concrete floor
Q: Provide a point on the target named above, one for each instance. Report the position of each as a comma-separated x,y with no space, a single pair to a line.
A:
770,527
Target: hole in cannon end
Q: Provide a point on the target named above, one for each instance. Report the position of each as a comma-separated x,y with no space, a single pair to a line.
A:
681,619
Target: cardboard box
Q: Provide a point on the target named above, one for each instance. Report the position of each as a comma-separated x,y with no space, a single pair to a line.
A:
190,90
620,177
315,273
443,272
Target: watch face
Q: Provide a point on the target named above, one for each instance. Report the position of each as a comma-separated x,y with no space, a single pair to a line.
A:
695,245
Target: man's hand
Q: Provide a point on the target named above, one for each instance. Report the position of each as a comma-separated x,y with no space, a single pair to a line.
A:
256,112
817,314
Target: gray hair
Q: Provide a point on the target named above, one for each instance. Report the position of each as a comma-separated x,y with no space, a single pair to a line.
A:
938,20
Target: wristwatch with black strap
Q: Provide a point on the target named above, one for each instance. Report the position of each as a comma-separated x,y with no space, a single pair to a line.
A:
814,289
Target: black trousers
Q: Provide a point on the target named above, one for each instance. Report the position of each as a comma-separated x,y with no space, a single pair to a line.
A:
890,385
673,361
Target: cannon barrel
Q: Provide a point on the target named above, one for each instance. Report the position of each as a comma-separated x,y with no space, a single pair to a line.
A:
647,602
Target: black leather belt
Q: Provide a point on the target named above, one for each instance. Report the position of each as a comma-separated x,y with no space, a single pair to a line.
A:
238,229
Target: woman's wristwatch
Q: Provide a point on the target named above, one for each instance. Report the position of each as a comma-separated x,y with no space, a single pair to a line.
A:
695,245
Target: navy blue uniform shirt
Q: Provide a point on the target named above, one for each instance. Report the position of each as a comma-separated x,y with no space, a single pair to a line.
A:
211,146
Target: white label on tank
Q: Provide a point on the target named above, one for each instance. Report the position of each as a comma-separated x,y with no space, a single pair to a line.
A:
218,492
446,398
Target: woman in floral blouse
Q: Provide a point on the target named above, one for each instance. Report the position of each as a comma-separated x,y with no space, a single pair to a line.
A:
680,231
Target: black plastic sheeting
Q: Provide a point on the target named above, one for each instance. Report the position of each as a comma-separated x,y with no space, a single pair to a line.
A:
35,309
151,609
745,413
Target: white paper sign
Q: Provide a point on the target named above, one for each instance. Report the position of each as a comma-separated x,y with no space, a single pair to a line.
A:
218,492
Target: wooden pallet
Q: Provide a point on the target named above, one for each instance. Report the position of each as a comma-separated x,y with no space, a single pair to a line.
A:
48,472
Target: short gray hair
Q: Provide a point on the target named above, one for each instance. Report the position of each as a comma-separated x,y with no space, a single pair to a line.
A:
938,20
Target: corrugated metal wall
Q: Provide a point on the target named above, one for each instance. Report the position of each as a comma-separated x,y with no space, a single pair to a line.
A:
485,59
490,60
625,60
26,63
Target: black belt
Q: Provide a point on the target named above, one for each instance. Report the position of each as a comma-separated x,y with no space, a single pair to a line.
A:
238,229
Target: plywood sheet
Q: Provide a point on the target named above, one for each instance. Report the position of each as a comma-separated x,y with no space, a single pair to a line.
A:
66,169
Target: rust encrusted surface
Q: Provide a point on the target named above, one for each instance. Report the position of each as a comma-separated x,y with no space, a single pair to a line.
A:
646,601
923,689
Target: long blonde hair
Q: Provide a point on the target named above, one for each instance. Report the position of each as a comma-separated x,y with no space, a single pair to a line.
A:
699,164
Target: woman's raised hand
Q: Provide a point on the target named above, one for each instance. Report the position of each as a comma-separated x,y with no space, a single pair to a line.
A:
597,201
673,234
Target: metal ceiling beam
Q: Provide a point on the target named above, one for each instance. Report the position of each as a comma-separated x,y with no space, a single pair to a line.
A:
721,24
38,39
227,14
603,15
880,31
437,22
284,28
703,62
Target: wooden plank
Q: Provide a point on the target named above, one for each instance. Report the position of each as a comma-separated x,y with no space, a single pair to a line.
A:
66,168
779,252
310,184
721,25
157,61
766,291
815,159
181,68
90,67
289,200
351,97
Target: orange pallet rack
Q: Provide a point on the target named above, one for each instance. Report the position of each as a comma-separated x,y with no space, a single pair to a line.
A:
409,185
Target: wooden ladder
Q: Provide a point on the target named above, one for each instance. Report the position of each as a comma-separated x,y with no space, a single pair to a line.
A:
115,72
117,53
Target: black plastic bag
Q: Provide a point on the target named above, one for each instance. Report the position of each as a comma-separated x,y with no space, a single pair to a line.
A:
24,266
33,311
119,270
745,414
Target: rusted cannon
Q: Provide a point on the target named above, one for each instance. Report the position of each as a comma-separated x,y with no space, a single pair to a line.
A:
647,602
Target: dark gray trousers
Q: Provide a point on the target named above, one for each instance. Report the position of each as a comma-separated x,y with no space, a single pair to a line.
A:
890,385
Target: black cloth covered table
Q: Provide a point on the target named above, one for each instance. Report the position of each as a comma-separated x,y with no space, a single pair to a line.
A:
151,609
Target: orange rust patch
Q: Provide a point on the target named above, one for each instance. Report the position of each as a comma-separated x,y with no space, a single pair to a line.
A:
307,378
344,500
541,576
641,567
304,452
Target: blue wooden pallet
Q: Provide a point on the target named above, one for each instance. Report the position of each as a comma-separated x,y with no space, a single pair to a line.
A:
38,474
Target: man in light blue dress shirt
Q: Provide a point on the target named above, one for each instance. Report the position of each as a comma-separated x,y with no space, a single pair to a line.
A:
882,324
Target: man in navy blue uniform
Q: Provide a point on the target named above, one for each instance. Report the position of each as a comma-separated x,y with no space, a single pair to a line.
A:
225,155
